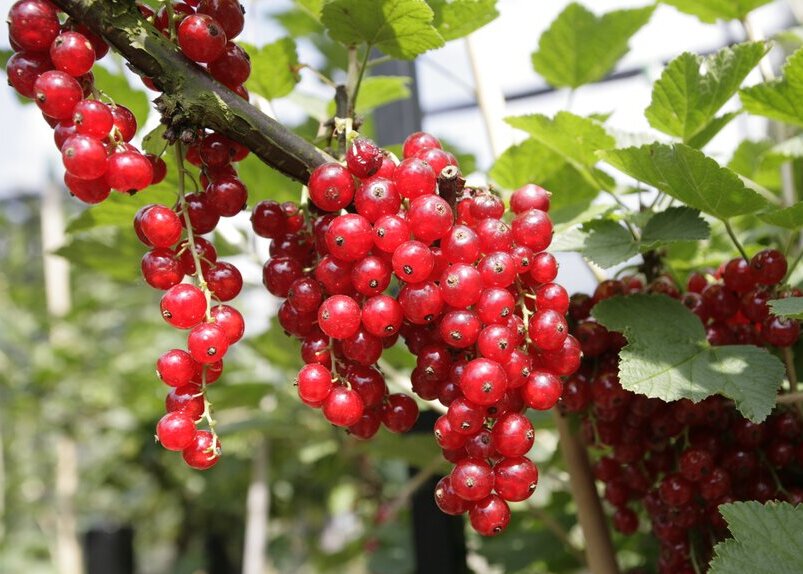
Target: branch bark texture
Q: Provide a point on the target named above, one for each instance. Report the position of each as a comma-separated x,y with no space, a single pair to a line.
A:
191,96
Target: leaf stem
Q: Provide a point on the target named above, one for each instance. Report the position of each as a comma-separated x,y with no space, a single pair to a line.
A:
735,240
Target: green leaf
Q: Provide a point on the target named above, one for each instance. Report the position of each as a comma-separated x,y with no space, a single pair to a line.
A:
376,91
712,10
674,224
580,47
667,356
685,101
713,128
400,28
688,175
312,7
4,57
266,183
524,163
154,141
789,307
116,86
788,217
111,251
274,69
574,137
752,160
608,243
781,99
767,539
457,18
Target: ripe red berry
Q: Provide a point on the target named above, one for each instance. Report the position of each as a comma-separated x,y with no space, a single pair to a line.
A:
430,218
448,500
343,406
207,343
414,178
472,479
769,266
349,237
229,13
422,303
56,93
232,68
23,68
390,231
224,280
175,431
548,329
413,262
92,118
129,171
382,316
331,187
125,122
483,382
314,383
363,157
159,225
515,479
71,52
186,399
399,413
542,390
529,197
417,142
230,320
227,196
461,286
513,435
176,368
84,157
161,269
490,516
203,452
33,25
201,38
183,306
533,229
339,317
780,331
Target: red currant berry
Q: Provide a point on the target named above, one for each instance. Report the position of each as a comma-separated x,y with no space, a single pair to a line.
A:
229,13
230,320
175,431
183,306
204,451
227,196
515,479
224,280
363,157
513,435
529,197
186,399
331,187
232,68
769,266
176,368
23,68
207,343
414,178
430,218
390,231
201,38
33,25
125,122
161,269
343,407
399,413
413,262
472,479
484,382
382,316
780,331
159,225
422,302
533,229
448,500
349,237
129,171
72,53
339,317
314,383
56,93
84,157
417,142
93,118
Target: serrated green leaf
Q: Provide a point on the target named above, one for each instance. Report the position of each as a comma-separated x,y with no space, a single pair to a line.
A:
685,100
781,99
710,11
788,217
688,175
608,243
674,224
378,91
457,18
400,28
154,141
790,307
574,137
753,160
527,162
116,86
580,47
571,189
667,356
274,69
701,138
766,539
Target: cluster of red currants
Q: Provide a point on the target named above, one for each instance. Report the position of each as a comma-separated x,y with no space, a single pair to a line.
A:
52,65
403,249
204,30
679,461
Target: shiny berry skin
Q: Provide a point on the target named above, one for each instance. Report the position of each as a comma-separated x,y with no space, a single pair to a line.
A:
542,390
129,171
675,490
490,516
382,316
533,229
769,266
422,303
484,382
185,399
513,435
543,267
430,218
390,231
314,383
343,407
207,343
227,196
175,431
413,262
339,317
367,426
548,330
447,499
56,93
305,295
414,178
362,348
92,118
201,38
715,485
176,368
497,269
279,273
71,52
224,280
472,479
206,253
625,520
495,305
515,479
204,451
229,13
461,245
84,157
371,275
125,122
363,157
465,417
230,320
780,331
695,464
349,237
161,269
334,274
529,197
494,235
486,205
739,275
23,68
159,225
331,187
268,219
754,305
232,68
437,159
495,342
33,25
461,286
399,413
377,197
183,306
417,142
552,296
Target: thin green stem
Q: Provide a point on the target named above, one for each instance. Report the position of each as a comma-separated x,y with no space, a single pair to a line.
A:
360,76
379,60
735,239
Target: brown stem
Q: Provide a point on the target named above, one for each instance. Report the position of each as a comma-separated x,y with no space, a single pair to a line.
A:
450,184
191,96
599,548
